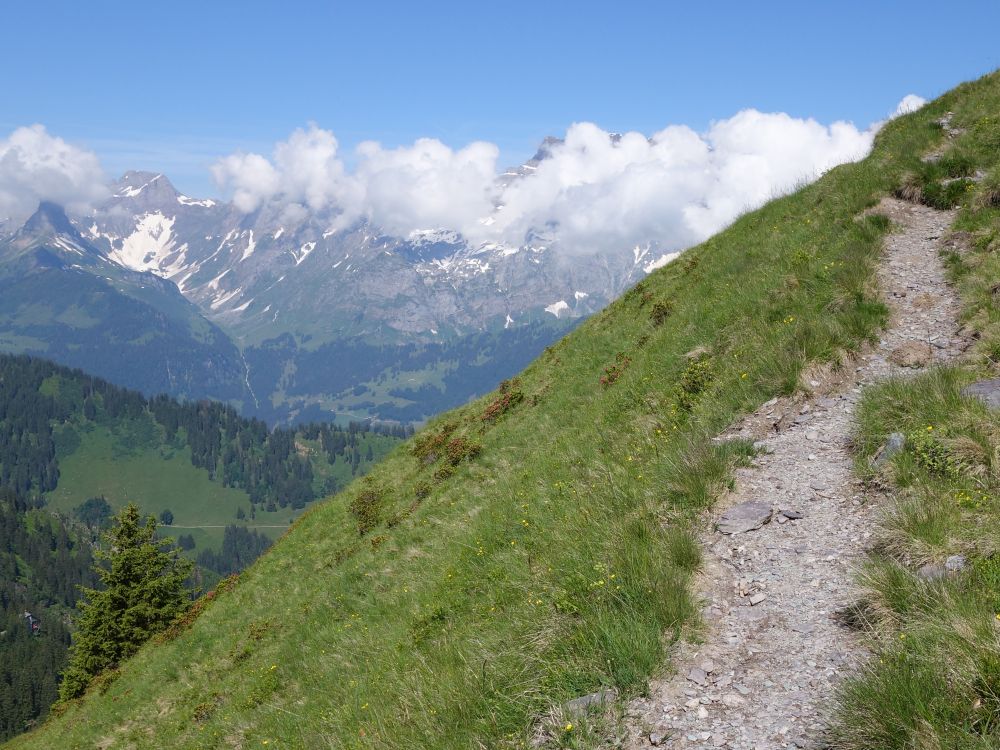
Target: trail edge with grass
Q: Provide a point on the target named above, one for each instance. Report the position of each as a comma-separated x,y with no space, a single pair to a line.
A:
763,672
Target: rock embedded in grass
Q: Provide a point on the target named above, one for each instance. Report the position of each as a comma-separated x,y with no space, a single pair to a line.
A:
987,391
955,563
931,572
893,445
584,702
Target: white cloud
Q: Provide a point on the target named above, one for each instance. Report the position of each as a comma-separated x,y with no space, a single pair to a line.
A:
593,192
909,103
35,166
426,185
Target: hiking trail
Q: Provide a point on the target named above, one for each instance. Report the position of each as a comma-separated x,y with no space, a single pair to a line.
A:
773,650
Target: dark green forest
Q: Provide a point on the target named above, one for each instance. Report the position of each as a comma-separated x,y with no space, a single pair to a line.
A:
42,562
36,396
48,411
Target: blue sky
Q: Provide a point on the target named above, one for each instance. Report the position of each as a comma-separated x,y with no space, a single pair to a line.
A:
171,87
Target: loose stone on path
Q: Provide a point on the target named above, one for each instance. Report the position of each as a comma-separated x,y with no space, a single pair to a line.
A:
744,517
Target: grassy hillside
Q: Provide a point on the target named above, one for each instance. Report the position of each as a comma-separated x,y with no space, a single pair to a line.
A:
934,617
532,546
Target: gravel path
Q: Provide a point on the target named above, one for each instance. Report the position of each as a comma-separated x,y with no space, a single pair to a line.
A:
773,650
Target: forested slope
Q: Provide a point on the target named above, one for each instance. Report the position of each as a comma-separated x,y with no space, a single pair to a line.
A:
42,562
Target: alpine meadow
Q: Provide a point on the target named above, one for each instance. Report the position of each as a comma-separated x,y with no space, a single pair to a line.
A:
453,376
541,543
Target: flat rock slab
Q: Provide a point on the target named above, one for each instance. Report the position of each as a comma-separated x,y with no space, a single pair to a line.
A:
744,517
987,391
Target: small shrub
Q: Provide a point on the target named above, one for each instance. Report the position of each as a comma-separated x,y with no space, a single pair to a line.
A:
459,449
989,191
510,396
429,626
932,455
444,472
366,508
661,311
204,711
639,290
947,194
614,371
427,445
694,380
343,555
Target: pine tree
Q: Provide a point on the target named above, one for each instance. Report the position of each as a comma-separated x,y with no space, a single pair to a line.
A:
143,592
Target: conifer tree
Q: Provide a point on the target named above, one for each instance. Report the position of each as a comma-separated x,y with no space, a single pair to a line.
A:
143,592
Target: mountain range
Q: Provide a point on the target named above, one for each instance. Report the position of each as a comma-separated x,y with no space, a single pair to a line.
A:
275,312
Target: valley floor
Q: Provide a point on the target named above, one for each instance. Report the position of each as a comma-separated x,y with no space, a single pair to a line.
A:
774,649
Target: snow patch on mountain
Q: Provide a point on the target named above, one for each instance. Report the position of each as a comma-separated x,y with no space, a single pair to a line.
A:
303,252
659,262
130,191
251,246
68,245
148,246
185,201
434,236
224,297
214,283
557,308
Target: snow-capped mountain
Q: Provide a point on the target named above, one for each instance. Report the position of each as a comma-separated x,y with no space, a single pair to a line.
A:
266,273
63,298
310,320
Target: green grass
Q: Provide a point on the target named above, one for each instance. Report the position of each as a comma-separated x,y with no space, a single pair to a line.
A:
548,552
934,680
155,478
133,462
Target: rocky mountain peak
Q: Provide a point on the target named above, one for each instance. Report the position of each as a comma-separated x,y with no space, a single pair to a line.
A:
48,221
134,183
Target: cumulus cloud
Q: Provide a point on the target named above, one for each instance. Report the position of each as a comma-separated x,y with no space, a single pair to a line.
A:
593,191
426,185
909,103
36,166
